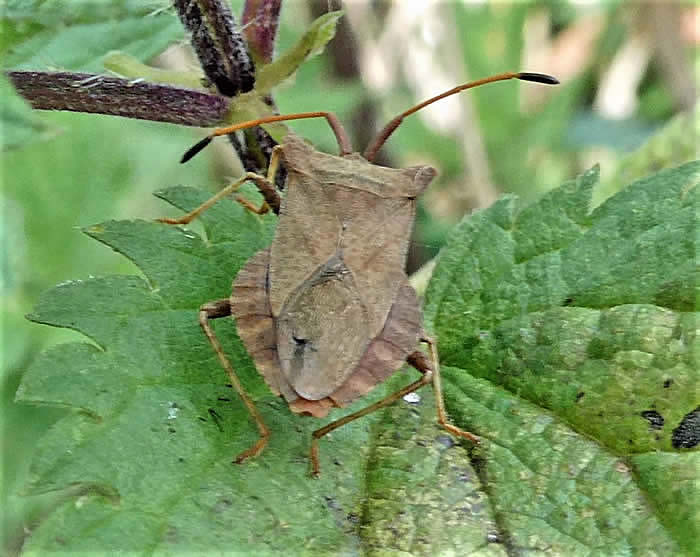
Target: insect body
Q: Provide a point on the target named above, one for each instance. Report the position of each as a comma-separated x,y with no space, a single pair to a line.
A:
330,293
326,312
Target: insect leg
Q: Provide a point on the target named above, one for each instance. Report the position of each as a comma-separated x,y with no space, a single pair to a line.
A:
274,164
215,310
272,199
266,186
316,435
420,364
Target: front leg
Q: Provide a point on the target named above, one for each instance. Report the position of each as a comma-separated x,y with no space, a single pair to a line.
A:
266,187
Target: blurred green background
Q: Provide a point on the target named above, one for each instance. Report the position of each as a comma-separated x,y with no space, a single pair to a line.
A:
627,75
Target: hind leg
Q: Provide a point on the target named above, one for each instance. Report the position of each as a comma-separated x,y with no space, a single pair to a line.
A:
431,374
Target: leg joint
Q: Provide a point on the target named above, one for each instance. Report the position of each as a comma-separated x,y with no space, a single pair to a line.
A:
215,310
421,362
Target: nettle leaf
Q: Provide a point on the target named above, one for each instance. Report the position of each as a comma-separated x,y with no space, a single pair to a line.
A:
19,124
75,34
148,446
128,66
575,370
570,337
674,144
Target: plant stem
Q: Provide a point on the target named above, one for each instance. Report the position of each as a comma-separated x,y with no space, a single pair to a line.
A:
83,92
260,21
219,45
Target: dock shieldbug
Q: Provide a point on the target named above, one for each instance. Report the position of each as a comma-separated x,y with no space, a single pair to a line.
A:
326,312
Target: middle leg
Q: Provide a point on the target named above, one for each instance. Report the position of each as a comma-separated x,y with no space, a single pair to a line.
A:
216,310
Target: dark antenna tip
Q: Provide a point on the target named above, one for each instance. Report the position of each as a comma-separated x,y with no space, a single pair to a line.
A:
196,148
538,78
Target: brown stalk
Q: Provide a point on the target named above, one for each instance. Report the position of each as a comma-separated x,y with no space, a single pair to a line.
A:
100,94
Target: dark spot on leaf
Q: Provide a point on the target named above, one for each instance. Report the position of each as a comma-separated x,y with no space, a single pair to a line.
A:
493,537
201,419
470,342
668,383
300,341
656,420
217,418
223,399
229,386
171,534
687,434
337,462
222,505
568,301
479,465
171,429
180,459
464,476
445,440
580,395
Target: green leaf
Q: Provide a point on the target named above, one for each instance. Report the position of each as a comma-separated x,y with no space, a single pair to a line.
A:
423,496
50,190
673,145
572,339
74,35
19,124
128,66
312,43
153,426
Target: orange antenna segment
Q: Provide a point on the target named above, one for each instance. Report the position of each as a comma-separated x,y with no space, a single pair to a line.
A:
340,133
383,135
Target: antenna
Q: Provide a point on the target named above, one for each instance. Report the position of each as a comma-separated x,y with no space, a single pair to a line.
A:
386,132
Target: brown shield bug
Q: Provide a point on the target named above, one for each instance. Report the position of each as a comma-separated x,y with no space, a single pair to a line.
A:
326,312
